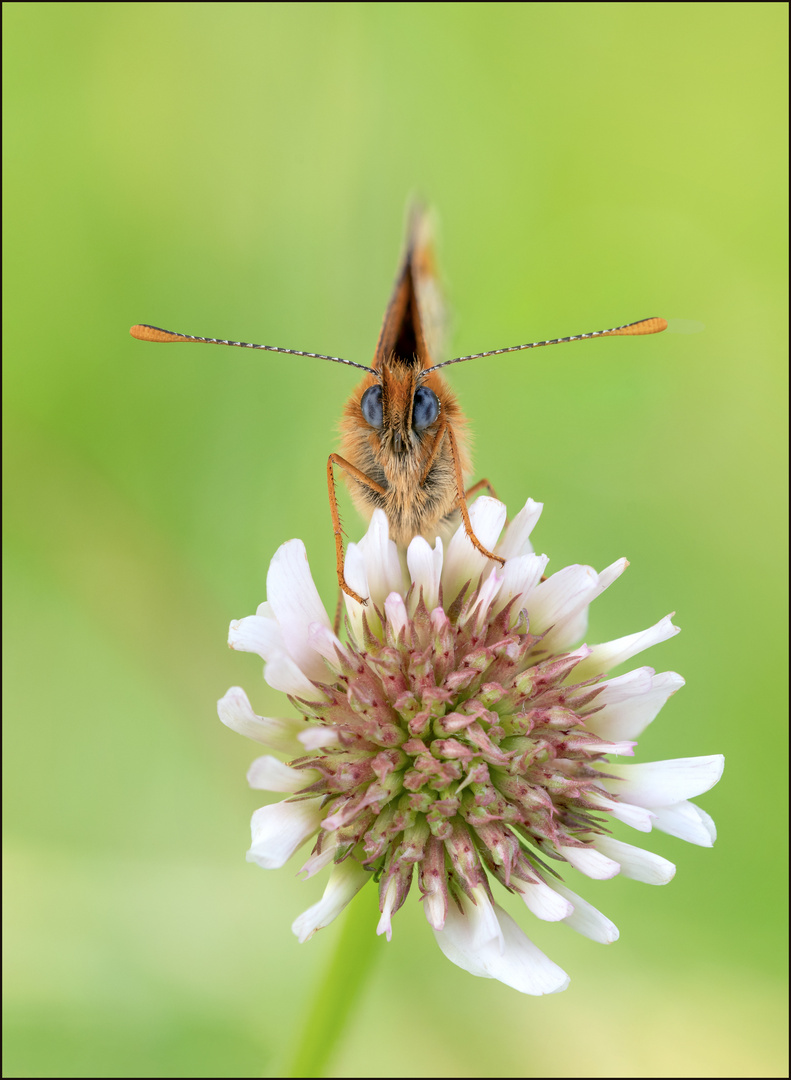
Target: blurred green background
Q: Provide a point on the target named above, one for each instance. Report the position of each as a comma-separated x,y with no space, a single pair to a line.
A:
243,170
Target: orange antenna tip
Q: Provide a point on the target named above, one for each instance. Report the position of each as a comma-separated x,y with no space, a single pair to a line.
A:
143,332
644,326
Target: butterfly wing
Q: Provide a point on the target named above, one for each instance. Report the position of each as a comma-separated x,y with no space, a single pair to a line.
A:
413,328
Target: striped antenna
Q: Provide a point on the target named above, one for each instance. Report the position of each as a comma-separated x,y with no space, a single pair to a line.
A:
144,332
644,326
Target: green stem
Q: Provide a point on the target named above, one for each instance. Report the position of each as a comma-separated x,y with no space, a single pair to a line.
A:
340,988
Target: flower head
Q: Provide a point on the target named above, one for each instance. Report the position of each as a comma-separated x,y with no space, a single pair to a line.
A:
458,738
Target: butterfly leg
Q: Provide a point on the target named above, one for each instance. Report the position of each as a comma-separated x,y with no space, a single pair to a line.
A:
479,486
485,484
336,622
336,459
465,516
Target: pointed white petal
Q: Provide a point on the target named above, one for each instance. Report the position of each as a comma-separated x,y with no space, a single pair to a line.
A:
425,569
520,576
463,562
382,564
664,783
543,900
636,816
278,831
520,964
687,822
487,927
236,712
630,702
586,920
456,941
385,926
435,907
296,604
560,596
346,880
569,631
317,737
486,596
396,612
357,578
623,749
612,653
283,673
635,862
560,604
439,620
256,634
316,861
268,774
516,541
590,862
326,644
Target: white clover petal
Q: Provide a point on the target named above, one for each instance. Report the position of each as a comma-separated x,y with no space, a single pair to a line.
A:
382,564
486,597
612,653
267,773
520,576
635,862
635,816
317,737
278,831
236,712
590,862
396,613
319,859
585,919
296,604
664,783
555,599
624,748
346,880
356,574
455,939
463,562
628,703
435,904
688,822
516,541
425,570
519,964
543,900
435,909
384,925
487,926
283,673
559,605
579,655
572,629
256,634
326,643
439,620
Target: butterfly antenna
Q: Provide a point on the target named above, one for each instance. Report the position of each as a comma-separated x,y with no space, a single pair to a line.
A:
144,332
643,326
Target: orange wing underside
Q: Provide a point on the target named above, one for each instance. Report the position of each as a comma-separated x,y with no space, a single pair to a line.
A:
413,326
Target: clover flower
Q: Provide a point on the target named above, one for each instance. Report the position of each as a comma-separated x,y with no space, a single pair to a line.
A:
458,738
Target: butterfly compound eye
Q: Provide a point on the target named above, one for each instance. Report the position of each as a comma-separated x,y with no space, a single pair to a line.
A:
371,405
425,408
